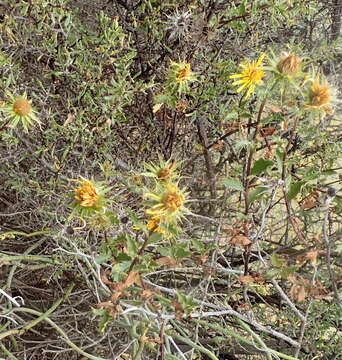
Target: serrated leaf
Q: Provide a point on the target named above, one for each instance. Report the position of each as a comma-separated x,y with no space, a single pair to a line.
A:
231,183
294,189
260,166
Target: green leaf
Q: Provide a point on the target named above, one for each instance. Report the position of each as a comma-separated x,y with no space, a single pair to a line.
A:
329,172
260,166
123,257
231,183
165,251
257,193
105,318
276,260
187,302
131,246
246,115
242,8
294,189
101,258
285,272
155,237
180,252
279,157
273,273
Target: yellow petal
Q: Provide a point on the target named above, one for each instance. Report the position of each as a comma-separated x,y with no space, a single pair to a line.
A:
240,81
261,58
153,196
241,88
235,76
250,91
157,107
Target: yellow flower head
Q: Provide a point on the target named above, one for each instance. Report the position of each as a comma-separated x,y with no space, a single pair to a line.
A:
20,110
184,74
153,225
164,171
22,107
250,76
167,203
289,65
320,95
173,200
87,194
180,75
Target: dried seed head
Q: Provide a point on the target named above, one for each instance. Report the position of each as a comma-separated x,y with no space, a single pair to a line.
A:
22,107
179,24
289,65
164,174
320,94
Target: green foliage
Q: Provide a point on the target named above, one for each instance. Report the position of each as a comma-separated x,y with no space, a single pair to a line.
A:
203,202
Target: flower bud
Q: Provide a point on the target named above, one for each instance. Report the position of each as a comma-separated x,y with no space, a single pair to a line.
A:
289,65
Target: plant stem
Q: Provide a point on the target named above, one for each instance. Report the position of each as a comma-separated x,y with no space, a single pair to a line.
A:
241,338
187,341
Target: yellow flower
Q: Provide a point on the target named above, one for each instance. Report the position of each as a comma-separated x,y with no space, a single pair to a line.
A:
20,110
320,96
184,74
167,203
180,75
22,107
87,194
153,225
164,171
250,76
173,200
289,65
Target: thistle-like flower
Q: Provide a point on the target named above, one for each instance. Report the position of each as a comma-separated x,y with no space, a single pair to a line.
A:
163,172
250,76
167,203
179,25
20,110
319,95
285,68
180,75
89,195
154,225
289,65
